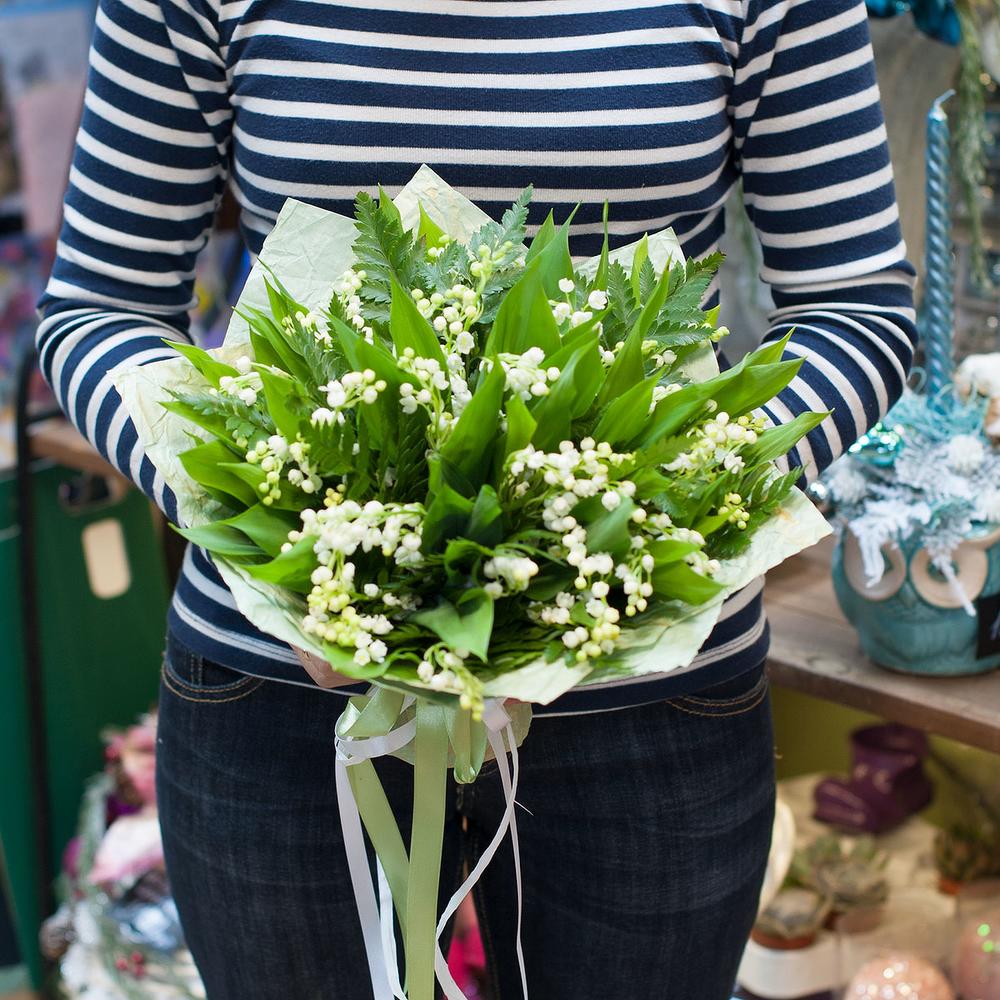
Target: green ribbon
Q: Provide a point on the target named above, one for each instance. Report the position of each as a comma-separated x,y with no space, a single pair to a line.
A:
430,774
444,736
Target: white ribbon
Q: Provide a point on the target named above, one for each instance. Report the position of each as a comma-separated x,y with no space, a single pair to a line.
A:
376,910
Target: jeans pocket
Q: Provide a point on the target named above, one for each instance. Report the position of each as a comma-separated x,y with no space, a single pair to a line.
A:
736,696
191,677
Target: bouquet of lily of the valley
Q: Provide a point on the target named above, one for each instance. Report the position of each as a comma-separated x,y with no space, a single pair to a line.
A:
466,470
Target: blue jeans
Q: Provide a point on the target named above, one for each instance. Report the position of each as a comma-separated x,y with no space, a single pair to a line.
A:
644,836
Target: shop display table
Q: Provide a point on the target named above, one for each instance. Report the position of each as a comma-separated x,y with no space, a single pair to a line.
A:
815,650
916,912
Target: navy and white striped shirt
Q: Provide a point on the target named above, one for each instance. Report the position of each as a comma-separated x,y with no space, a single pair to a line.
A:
658,106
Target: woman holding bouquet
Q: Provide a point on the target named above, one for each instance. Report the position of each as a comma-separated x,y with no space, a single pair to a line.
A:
649,801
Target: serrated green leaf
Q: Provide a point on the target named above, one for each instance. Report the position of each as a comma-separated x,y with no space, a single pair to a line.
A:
640,258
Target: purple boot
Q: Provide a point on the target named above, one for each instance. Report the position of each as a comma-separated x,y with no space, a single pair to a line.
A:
887,782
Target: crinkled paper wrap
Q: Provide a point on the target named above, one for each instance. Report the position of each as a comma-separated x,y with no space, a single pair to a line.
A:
308,249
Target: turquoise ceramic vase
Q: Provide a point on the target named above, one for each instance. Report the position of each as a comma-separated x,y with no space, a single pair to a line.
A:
912,620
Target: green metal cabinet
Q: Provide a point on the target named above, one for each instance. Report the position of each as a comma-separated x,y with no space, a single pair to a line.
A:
100,657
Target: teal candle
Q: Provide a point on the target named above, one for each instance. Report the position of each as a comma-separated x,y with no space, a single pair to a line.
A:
938,312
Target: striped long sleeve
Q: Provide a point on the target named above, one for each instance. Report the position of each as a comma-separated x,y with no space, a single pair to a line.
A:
147,176
811,142
656,106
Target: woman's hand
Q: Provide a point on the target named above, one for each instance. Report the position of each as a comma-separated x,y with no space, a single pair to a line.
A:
321,671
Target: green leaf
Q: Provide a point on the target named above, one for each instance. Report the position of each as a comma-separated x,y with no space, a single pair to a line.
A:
221,540
554,261
524,319
651,308
210,367
446,517
510,228
203,464
609,531
388,207
283,401
625,416
278,346
279,308
521,425
468,624
554,412
429,229
546,233
469,448
214,423
263,352
669,550
626,370
486,520
409,329
689,282
676,581
769,353
640,258
778,441
757,385
291,569
601,275
267,527
383,250
460,554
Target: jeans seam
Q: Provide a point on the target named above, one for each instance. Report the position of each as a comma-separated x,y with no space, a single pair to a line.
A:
235,685
169,682
754,692
742,710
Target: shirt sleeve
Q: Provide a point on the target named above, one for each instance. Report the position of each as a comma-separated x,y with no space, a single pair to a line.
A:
810,140
148,172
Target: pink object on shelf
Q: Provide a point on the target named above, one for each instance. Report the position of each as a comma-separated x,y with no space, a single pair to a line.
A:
976,967
899,976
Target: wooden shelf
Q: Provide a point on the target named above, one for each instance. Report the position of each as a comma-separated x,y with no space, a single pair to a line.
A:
815,650
57,439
